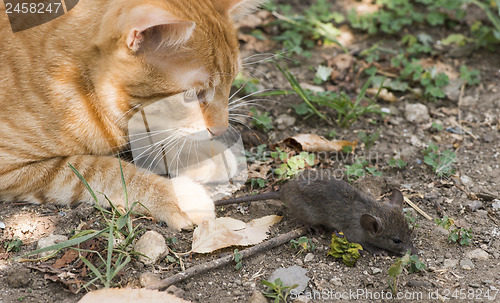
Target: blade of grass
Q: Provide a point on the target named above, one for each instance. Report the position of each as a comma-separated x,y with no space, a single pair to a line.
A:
94,269
77,173
300,91
64,244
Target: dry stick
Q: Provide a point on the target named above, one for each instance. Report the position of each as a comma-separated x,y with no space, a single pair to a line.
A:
418,209
195,270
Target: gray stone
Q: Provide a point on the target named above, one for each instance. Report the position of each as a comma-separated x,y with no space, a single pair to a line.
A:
475,205
466,264
468,101
376,270
285,121
257,297
416,113
49,241
495,204
449,263
309,257
290,276
176,291
419,284
452,90
466,180
18,278
148,278
336,281
477,254
152,245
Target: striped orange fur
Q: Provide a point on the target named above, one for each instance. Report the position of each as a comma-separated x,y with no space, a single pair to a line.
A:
68,88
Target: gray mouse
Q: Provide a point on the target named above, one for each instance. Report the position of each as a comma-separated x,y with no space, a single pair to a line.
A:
315,198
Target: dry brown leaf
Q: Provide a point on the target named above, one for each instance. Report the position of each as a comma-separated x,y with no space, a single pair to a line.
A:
315,143
213,234
252,43
258,169
384,94
441,67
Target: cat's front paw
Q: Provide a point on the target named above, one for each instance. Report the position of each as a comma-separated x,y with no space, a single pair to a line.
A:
192,204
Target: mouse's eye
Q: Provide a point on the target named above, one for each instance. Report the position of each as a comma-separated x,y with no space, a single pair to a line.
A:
396,241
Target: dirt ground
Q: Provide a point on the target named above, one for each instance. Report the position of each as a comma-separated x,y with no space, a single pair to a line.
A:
451,269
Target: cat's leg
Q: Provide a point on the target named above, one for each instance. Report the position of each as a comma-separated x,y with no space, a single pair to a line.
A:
179,202
206,162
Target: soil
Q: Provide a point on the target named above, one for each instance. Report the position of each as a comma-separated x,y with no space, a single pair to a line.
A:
450,271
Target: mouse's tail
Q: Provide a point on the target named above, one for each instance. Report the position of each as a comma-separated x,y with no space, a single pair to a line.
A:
266,196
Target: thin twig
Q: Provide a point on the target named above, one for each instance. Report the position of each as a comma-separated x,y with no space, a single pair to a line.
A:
201,268
418,209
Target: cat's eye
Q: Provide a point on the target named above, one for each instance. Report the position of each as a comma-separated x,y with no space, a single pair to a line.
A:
397,241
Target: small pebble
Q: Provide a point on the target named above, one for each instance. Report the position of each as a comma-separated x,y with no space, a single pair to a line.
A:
450,263
466,264
416,113
309,257
18,278
477,254
475,205
152,245
376,270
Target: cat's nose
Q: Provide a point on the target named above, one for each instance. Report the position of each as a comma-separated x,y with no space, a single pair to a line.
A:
217,130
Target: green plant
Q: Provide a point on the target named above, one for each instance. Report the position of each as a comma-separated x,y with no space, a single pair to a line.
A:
437,126
411,262
411,220
13,245
261,120
359,169
293,165
259,154
246,85
277,291
119,235
369,140
348,111
238,258
455,234
303,244
342,249
301,32
440,162
471,77
258,182
397,163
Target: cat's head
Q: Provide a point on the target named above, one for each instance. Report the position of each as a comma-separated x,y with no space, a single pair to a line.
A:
150,50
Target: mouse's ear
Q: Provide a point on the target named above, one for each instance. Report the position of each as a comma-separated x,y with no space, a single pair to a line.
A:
371,224
397,198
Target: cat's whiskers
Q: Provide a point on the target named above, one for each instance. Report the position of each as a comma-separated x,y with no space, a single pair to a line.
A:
125,114
270,58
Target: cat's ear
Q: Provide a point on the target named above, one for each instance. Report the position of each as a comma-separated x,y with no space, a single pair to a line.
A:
152,27
237,8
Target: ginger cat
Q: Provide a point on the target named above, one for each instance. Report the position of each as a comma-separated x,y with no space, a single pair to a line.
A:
68,88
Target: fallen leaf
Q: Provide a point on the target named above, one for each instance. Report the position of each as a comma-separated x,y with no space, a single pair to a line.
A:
252,43
258,169
315,143
342,62
384,94
213,234
440,67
